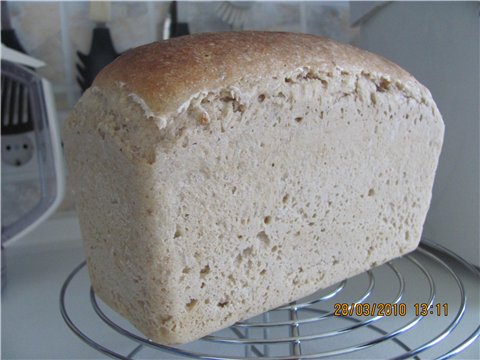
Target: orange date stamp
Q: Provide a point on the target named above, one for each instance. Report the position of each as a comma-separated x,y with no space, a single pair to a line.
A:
388,309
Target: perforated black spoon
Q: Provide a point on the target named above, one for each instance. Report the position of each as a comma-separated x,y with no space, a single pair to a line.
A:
102,52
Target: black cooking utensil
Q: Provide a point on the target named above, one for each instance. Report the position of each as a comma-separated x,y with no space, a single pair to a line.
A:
102,52
9,37
176,28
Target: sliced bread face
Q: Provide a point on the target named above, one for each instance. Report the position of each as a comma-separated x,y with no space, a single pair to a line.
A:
218,176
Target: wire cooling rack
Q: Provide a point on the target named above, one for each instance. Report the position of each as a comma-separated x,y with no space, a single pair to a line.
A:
430,302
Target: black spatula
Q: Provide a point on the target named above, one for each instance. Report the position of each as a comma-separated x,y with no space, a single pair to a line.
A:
9,37
102,52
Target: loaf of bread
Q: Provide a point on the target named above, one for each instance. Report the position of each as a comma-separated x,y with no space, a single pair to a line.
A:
221,175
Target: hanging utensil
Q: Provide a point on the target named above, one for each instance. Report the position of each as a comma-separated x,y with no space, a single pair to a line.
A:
9,37
102,51
234,13
176,28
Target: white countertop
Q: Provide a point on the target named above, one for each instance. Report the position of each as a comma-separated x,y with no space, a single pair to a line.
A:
37,266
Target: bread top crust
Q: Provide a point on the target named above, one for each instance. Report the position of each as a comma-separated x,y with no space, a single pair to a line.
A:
165,74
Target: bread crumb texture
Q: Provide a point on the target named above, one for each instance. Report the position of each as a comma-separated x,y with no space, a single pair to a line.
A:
218,176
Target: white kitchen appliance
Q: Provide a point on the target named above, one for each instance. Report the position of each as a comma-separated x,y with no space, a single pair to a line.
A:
32,162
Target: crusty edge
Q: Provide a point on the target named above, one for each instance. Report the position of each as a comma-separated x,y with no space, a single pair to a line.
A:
163,75
163,121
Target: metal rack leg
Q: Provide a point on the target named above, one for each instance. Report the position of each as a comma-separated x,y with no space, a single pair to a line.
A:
266,334
135,351
253,348
247,347
296,346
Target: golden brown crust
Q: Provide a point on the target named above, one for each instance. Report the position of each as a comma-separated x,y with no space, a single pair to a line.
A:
166,73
